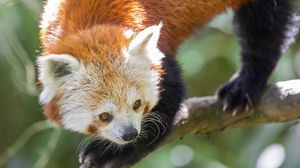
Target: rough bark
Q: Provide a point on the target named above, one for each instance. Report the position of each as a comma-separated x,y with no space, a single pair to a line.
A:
203,115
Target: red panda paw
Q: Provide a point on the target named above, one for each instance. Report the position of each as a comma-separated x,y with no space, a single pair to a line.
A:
85,162
97,154
239,94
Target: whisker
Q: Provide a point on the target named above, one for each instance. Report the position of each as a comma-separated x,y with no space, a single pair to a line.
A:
108,146
161,122
160,118
84,143
157,133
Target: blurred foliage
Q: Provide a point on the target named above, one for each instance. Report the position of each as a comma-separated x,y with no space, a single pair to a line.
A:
208,59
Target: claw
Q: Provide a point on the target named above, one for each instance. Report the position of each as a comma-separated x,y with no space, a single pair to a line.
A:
235,112
81,158
225,107
247,108
84,162
249,100
85,165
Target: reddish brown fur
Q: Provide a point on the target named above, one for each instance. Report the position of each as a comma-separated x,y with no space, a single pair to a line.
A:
89,49
91,129
51,110
93,31
180,18
146,108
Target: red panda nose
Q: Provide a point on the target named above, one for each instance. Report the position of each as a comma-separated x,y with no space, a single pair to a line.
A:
130,134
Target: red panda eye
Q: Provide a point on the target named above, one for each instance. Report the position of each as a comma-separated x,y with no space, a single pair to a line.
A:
105,117
137,104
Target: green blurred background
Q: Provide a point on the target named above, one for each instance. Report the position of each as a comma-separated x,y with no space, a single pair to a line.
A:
208,59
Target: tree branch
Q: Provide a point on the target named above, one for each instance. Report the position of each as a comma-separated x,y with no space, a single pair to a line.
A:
280,103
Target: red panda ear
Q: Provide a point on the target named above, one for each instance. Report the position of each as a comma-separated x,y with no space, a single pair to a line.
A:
53,70
144,44
57,65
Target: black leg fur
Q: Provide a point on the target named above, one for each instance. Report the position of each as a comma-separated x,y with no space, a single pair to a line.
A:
156,125
265,29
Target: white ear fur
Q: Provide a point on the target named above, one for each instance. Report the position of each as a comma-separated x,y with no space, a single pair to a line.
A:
144,45
54,69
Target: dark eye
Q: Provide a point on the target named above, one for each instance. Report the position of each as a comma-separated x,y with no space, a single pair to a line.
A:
105,117
137,104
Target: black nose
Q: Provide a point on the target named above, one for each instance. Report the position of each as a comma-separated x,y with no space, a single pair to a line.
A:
129,134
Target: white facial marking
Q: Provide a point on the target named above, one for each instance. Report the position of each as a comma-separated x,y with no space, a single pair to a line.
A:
132,95
106,106
77,119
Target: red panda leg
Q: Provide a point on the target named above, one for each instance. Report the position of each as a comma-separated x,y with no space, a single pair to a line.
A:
265,29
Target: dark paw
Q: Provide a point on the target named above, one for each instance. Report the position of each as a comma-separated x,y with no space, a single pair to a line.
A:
239,95
97,154
85,160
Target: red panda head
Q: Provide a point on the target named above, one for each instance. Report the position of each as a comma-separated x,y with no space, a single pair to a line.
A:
102,81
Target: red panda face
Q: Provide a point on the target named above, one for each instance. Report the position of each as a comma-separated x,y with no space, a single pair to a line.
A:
106,94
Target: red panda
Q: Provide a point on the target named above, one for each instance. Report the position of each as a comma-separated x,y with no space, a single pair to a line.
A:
108,67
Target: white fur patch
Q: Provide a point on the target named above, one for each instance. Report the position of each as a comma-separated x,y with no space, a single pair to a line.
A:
46,76
128,33
50,15
51,12
76,118
76,115
132,95
106,106
148,81
144,45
